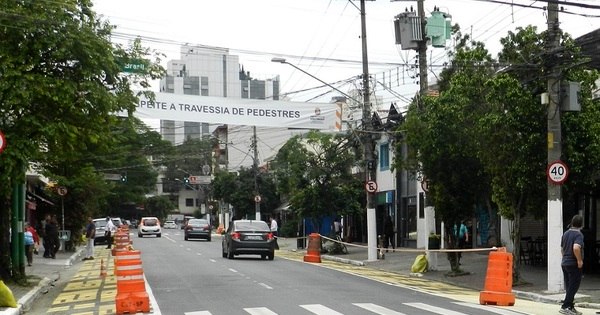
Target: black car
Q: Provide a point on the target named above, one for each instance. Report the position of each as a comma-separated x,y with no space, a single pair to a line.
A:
197,228
248,237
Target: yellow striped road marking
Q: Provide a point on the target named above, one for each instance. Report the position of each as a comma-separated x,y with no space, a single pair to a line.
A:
75,297
83,285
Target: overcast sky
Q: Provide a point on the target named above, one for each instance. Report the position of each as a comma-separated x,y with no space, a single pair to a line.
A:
323,36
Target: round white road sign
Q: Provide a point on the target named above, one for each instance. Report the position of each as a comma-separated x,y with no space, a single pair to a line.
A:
371,186
557,172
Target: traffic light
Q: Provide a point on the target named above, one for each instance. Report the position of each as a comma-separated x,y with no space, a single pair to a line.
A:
186,179
123,178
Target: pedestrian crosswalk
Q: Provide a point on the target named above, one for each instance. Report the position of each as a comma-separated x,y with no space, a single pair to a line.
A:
458,308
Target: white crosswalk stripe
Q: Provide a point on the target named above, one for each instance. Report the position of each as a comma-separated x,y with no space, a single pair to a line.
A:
377,309
259,311
320,309
434,309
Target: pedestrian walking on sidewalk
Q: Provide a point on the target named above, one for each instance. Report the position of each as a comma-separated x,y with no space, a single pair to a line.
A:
109,231
572,263
32,239
388,233
90,234
51,234
462,234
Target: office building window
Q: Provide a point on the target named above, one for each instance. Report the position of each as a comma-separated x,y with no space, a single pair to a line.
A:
189,202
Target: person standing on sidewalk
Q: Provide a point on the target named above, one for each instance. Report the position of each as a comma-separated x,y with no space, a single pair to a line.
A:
90,234
32,240
110,229
572,263
51,233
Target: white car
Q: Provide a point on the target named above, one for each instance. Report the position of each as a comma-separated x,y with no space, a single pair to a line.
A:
170,225
149,226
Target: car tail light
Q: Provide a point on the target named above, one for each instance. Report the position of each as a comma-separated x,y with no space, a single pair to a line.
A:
235,235
270,236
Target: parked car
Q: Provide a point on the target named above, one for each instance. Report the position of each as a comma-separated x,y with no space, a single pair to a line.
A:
101,228
149,226
197,228
248,237
170,224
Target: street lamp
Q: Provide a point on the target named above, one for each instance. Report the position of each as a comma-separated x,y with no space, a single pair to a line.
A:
282,60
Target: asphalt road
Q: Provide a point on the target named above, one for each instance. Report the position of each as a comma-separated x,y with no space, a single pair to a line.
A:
192,278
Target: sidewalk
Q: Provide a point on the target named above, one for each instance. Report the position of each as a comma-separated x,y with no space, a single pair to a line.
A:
41,275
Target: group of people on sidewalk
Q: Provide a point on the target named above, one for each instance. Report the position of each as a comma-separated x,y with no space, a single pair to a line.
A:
48,234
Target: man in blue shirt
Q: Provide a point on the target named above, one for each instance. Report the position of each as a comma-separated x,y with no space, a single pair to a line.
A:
572,263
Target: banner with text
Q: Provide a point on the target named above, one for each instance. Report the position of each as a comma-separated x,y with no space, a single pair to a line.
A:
237,111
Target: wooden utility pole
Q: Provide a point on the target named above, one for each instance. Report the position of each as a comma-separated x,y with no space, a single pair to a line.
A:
555,209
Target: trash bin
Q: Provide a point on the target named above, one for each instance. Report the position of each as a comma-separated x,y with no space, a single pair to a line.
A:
63,237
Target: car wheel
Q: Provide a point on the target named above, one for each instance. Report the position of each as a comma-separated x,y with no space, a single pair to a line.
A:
223,252
229,254
185,238
263,256
271,255
158,235
208,239
139,235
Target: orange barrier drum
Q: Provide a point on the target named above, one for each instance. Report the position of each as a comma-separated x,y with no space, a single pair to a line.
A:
313,253
498,280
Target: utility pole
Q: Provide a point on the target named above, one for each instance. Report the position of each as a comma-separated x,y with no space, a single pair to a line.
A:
369,147
422,52
555,209
255,166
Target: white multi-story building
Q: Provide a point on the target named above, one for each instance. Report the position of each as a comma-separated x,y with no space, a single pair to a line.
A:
212,71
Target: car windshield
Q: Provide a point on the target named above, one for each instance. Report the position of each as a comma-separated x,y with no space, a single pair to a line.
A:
150,222
251,226
197,222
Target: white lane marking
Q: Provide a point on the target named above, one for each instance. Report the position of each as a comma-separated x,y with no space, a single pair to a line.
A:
266,286
154,309
259,311
198,313
320,309
233,270
434,309
490,308
377,309
212,260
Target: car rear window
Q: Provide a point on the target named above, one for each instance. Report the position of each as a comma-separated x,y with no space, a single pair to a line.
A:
251,226
197,222
150,222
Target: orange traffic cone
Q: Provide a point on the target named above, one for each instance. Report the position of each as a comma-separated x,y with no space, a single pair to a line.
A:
102,269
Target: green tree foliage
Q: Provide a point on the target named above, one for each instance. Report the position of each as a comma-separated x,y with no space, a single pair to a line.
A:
158,206
484,142
60,87
314,173
238,190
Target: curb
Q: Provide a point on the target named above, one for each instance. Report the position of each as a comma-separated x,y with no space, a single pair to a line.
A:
25,302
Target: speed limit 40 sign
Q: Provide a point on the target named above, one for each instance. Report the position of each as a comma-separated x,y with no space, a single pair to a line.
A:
557,172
